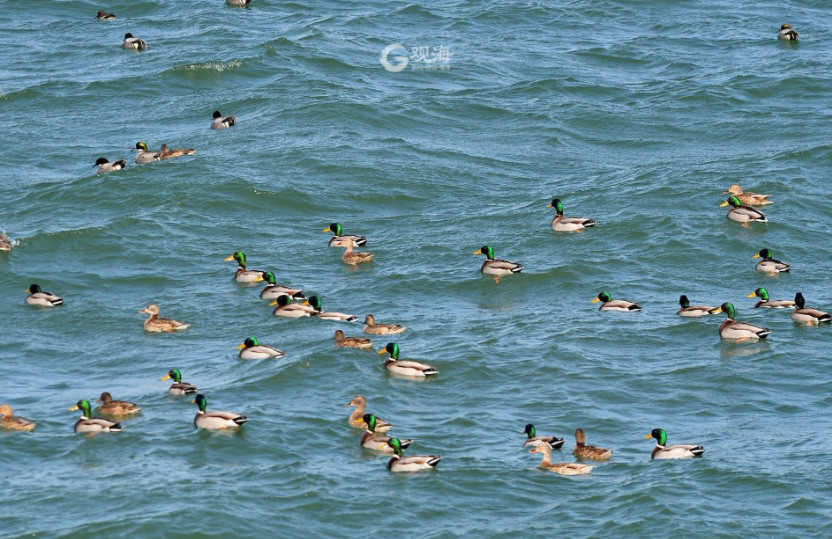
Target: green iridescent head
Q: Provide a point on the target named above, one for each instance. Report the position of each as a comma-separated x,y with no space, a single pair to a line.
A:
176,375
734,202
392,349
240,257
269,278
33,288
251,341
557,205
530,430
396,445
761,293
370,420
660,435
84,406
141,146
728,309
765,254
201,402
604,297
335,228
684,301
799,300
314,302
487,251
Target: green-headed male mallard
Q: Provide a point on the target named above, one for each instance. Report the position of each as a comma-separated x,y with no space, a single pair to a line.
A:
252,349
693,310
87,423
338,237
155,324
315,303
768,264
11,422
743,214
734,329
664,451
356,419
179,387
374,328
242,274
567,224
274,290
42,298
592,452
400,463
215,419
534,439
762,293
808,315
620,305
404,367
378,442
495,266
114,408
562,468
787,33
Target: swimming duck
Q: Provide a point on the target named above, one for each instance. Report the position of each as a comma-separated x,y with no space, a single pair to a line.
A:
562,468
87,423
160,325
252,349
315,303
768,264
762,293
287,309
104,16
620,305
371,327
244,275
734,329
215,419
342,341
116,408
400,463
354,258
9,421
567,224
41,298
178,387
238,2
5,242
664,451
553,441
743,214
165,153
133,43
145,155
338,237
222,122
404,367
692,310
105,166
787,33
592,452
274,290
747,197
807,314
356,419
378,442
495,266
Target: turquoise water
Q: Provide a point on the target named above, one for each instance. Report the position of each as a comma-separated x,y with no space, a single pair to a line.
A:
636,115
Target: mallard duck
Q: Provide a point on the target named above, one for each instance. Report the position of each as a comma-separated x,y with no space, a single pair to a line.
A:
762,293
338,238
371,327
274,290
343,341
160,325
664,451
568,224
378,442
404,367
400,463
179,387
354,258
145,155
495,266
215,419
770,265
252,349
743,214
807,314
244,275
287,309
592,452
562,468
165,153
105,166
113,408
620,305
356,419
748,198
315,303
104,16
693,310
41,298
5,242
238,2
734,329
553,441
87,423
133,43
787,33
222,122
9,421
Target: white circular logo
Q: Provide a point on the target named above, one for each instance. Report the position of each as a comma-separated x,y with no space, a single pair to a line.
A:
399,62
